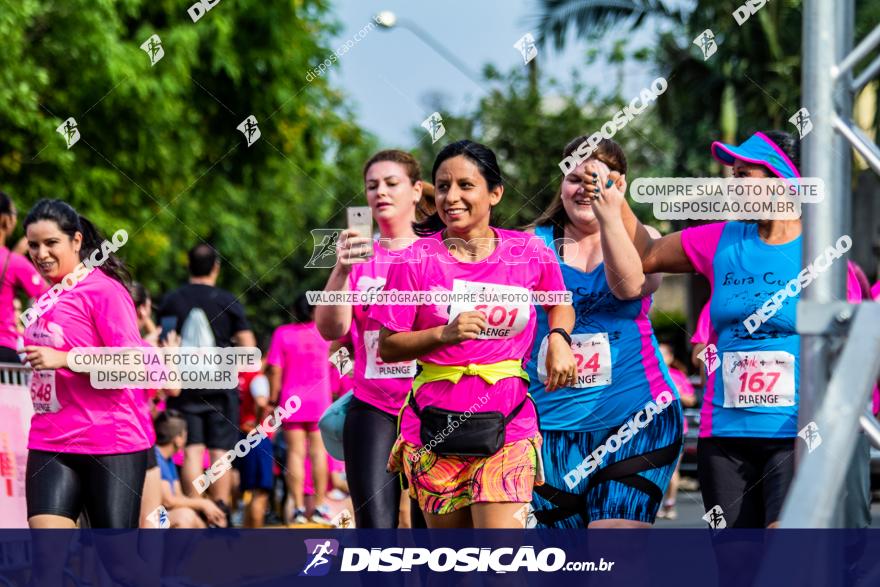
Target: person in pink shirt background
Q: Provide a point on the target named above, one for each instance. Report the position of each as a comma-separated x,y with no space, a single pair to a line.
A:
152,492
87,447
336,490
461,250
859,289
299,364
16,273
688,398
701,338
875,401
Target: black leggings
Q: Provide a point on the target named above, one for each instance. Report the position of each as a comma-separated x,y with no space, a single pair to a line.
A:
367,439
748,477
106,487
8,355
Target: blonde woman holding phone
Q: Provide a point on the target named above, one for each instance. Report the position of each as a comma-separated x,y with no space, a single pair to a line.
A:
393,183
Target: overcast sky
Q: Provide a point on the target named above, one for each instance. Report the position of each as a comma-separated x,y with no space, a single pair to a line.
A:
388,73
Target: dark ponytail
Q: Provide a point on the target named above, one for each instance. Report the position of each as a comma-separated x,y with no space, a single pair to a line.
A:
139,294
70,222
481,156
5,204
430,225
301,310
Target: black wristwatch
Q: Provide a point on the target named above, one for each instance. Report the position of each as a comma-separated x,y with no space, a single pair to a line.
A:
561,331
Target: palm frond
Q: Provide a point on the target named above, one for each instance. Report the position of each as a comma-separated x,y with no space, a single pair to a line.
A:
589,17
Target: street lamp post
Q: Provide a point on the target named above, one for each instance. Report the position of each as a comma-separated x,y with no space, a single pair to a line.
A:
388,20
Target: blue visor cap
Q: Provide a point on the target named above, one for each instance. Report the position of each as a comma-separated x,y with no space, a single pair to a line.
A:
760,150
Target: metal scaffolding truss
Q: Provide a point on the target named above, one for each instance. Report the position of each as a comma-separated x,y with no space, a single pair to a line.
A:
825,491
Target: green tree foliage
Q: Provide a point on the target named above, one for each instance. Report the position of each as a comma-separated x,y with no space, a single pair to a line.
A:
752,83
160,155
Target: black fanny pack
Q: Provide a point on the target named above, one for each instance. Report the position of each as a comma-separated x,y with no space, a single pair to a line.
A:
448,433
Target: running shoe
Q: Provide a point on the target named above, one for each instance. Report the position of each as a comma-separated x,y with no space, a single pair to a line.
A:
667,512
336,495
225,509
237,518
299,516
321,515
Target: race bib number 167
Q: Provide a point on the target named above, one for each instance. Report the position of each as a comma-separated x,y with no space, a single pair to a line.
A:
758,379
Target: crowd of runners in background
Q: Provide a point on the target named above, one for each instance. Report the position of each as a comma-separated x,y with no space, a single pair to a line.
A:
567,415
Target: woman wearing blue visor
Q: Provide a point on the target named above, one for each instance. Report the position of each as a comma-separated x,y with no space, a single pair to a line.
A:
748,423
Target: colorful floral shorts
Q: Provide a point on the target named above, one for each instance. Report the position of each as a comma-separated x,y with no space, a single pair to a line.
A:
444,484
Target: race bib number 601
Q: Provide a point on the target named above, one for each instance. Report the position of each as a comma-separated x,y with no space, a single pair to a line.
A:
758,379
507,307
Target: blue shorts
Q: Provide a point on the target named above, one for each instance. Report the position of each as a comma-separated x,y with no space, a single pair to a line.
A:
255,467
564,450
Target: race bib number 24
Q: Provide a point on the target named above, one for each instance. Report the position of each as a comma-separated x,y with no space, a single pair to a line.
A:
592,352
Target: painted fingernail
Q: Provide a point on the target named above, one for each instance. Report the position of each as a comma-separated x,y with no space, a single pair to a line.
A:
609,184
596,191
594,174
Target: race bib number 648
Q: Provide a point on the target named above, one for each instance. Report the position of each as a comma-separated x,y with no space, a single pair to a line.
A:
44,394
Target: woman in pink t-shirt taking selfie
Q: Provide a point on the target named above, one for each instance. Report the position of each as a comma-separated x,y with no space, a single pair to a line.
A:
87,446
469,442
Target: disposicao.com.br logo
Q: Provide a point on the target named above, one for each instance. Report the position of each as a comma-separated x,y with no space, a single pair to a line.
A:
441,560
317,562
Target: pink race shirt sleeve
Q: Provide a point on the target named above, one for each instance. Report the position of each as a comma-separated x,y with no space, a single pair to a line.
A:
857,290
26,277
699,244
401,277
275,356
20,274
551,275
681,382
144,397
856,283
704,326
115,318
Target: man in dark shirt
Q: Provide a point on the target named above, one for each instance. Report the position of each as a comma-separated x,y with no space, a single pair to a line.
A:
211,415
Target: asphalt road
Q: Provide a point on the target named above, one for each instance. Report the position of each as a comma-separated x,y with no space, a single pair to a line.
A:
690,512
